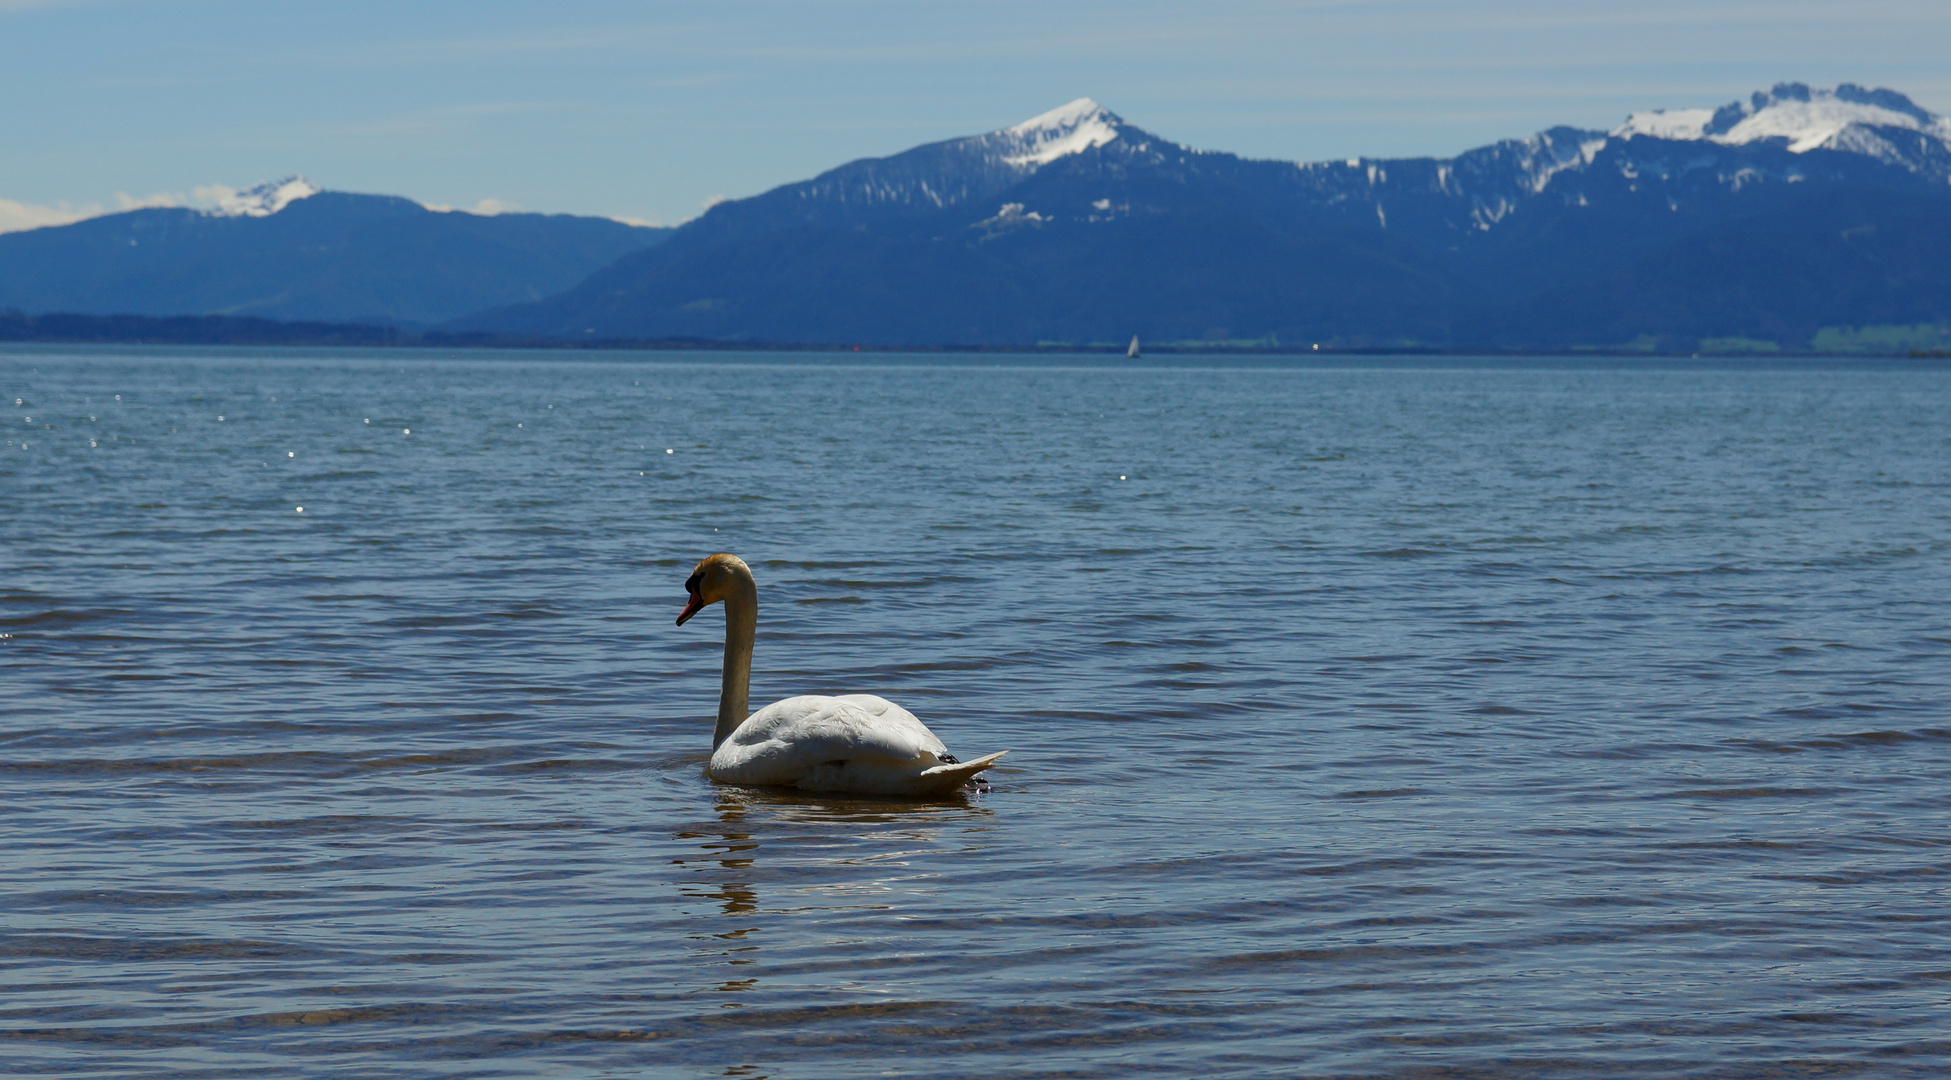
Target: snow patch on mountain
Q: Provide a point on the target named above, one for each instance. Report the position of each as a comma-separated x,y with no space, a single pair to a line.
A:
1061,132
1544,157
1808,119
261,201
1010,216
1666,124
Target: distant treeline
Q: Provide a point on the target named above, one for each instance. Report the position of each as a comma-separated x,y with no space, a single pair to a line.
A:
242,330
16,326
191,330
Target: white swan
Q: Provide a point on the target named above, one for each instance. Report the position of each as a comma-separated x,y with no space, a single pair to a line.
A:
858,743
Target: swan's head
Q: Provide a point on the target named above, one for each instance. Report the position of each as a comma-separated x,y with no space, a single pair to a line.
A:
714,579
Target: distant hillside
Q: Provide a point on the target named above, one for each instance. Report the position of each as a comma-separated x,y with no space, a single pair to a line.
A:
192,330
1798,213
289,251
1818,267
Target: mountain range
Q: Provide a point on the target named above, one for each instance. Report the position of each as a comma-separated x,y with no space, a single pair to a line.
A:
287,250
1800,218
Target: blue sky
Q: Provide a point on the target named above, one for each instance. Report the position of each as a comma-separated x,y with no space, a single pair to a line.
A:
648,110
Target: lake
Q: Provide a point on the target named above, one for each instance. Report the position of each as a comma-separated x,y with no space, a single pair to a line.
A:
1369,717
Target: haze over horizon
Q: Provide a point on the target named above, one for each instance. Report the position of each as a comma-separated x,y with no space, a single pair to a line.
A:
650,112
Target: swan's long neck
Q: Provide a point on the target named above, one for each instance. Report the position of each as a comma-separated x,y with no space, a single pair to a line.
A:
741,622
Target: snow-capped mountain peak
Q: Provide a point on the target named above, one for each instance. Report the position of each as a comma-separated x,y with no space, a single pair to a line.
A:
263,200
1065,130
1808,119
1666,124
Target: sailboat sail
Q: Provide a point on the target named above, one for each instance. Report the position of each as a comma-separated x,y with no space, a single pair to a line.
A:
1133,351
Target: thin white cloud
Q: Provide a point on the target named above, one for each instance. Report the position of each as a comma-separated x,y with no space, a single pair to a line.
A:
484,208
592,39
1553,15
161,198
20,217
430,121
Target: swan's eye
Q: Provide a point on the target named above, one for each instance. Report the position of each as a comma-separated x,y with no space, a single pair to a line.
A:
691,583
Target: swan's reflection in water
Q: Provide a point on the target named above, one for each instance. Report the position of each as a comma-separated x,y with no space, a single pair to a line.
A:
823,859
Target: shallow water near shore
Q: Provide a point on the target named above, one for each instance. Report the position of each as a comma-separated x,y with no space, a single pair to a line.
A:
1406,718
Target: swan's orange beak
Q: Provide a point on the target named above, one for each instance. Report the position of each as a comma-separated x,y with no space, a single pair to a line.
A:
696,605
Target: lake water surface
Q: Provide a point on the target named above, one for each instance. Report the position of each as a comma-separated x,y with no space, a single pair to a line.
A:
1417,718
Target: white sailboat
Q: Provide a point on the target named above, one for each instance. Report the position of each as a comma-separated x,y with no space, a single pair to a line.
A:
1132,353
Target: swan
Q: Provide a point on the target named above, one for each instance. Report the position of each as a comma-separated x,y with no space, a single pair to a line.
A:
858,743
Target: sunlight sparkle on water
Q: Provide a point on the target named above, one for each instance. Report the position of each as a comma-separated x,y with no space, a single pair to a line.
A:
1590,689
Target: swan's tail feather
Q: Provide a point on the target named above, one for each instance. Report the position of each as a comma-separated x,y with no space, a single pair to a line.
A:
947,777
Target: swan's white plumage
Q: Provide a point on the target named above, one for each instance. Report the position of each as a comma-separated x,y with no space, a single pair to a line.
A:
857,743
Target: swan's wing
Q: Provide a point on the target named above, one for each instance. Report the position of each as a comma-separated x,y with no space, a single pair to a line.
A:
786,740
890,717
853,726
856,743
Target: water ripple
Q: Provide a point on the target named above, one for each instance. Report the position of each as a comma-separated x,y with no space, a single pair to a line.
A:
1434,719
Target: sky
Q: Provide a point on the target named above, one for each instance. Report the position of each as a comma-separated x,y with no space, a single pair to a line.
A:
650,111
